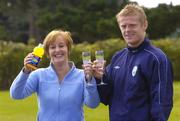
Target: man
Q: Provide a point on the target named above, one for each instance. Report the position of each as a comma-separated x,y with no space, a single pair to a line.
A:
140,77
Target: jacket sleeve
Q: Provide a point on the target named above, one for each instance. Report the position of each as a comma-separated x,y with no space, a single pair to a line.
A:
91,96
105,91
23,85
161,89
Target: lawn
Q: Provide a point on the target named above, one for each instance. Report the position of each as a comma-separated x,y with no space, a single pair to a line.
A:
25,110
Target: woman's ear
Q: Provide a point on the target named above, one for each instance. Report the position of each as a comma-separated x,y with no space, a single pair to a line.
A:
47,55
69,54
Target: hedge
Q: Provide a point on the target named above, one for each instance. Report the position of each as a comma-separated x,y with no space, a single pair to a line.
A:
12,55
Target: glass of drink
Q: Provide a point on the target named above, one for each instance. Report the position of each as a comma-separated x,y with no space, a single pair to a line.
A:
86,58
100,61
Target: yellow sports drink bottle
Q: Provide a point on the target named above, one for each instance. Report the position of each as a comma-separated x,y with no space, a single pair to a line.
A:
38,53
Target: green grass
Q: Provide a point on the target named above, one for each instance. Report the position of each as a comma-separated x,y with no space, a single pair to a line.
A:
25,110
175,114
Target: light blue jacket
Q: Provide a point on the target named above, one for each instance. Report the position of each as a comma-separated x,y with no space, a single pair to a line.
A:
57,101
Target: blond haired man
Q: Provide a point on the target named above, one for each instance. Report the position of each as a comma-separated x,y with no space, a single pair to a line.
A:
140,77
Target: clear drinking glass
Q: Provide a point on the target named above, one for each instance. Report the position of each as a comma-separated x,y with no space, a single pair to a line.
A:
100,61
86,58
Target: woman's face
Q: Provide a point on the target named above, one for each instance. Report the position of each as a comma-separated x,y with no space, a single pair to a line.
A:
58,51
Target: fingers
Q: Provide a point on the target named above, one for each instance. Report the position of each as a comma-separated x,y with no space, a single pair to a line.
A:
28,58
88,69
95,69
98,72
98,69
97,64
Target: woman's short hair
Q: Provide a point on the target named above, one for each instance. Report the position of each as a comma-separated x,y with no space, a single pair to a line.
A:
51,37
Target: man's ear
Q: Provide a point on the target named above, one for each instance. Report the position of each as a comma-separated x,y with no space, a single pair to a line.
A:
145,24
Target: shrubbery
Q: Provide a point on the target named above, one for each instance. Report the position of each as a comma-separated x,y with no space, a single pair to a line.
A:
12,55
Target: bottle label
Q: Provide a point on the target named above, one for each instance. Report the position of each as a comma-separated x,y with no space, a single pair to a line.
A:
35,60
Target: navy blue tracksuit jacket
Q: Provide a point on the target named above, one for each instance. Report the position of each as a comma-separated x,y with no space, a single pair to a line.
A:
140,85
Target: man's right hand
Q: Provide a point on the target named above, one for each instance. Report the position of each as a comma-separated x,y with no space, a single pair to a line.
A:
98,69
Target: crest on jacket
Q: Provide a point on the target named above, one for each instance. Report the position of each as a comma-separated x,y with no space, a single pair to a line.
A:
134,70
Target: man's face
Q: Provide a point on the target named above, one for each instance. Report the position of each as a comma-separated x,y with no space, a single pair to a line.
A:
132,29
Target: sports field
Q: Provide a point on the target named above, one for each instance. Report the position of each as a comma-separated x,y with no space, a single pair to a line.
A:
25,110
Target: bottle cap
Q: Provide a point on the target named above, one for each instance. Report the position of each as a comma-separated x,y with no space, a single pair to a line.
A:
39,50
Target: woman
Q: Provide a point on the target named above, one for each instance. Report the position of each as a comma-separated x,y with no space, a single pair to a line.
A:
61,88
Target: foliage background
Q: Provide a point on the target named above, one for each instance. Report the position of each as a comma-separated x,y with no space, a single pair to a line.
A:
87,20
12,55
23,24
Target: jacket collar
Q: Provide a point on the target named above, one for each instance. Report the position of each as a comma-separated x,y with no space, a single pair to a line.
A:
140,47
71,64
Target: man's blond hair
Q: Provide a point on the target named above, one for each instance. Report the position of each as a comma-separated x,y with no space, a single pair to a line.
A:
133,10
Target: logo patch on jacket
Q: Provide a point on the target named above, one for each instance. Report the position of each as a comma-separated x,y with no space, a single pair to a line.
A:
116,67
134,70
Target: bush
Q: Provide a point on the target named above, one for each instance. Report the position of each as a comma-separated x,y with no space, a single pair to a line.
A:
11,59
12,55
172,50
